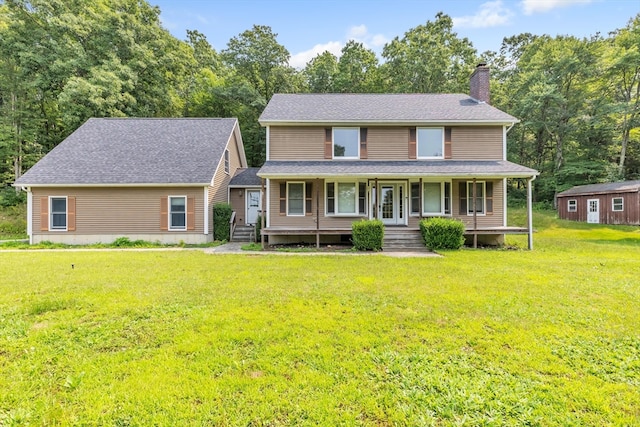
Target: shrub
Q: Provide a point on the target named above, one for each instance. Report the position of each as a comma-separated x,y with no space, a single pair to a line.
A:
258,227
221,216
442,233
367,235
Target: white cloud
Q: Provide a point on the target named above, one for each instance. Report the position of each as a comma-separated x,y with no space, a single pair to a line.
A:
540,6
490,14
358,33
299,60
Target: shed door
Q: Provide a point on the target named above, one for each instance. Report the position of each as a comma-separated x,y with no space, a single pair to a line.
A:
593,211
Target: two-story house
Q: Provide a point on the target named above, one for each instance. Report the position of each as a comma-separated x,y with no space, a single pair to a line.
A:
332,159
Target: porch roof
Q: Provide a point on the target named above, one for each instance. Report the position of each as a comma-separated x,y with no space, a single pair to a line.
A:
394,169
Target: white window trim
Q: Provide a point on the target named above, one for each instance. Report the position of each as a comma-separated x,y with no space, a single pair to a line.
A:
304,198
66,213
613,204
186,208
442,197
484,199
333,140
573,208
357,213
227,162
418,142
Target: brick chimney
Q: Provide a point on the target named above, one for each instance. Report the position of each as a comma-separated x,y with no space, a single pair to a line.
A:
479,83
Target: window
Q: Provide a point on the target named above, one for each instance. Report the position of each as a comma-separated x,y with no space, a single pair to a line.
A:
177,213
483,203
226,161
430,143
436,198
346,143
478,206
58,213
572,205
617,204
346,198
295,198
432,198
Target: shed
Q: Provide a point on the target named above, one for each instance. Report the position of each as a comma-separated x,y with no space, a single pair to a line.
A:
609,203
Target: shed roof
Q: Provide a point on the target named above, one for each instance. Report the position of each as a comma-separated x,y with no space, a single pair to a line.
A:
246,177
120,151
401,168
609,187
380,108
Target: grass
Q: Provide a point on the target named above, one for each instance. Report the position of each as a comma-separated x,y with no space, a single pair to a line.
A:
477,337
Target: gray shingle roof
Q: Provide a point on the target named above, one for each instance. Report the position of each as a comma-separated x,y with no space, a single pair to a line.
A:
380,108
609,187
135,151
402,168
246,177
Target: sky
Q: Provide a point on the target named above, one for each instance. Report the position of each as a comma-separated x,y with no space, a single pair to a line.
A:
309,27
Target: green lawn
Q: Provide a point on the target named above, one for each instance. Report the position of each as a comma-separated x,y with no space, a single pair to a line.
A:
477,337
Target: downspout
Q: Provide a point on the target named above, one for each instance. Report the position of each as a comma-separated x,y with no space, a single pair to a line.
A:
317,212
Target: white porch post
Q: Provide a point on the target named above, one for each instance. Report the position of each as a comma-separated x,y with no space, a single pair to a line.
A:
530,213
30,215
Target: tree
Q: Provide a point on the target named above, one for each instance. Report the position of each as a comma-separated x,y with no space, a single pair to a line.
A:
320,73
429,58
257,56
357,70
622,62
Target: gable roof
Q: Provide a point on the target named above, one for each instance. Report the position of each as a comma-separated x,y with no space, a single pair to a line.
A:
380,108
124,151
609,187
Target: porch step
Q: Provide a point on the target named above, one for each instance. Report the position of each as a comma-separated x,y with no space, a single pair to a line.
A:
403,240
243,233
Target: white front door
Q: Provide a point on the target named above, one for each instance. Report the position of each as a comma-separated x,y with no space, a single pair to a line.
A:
593,211
392,204
253,206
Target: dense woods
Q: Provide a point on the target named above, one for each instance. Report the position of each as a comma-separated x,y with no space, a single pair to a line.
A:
63,61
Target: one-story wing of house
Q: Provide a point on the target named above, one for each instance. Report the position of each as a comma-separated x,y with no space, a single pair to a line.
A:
141,178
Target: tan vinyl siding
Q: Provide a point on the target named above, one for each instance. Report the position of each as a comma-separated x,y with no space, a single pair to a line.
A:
237,201
118,210
476,143
495,219
388,143
296,143
307,221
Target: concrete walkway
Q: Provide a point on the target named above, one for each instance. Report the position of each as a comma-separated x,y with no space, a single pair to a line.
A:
235,248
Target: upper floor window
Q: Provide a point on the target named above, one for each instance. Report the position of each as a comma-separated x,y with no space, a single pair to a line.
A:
572,205
226,161
430,143
58,213
346,143
617,204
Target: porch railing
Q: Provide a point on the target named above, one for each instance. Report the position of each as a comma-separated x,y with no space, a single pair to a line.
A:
232,225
